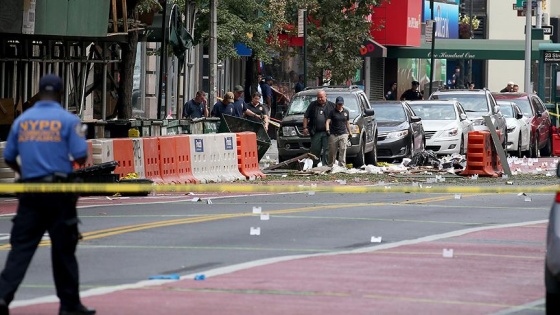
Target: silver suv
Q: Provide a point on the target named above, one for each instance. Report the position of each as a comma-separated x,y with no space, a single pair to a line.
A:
477,103
363,150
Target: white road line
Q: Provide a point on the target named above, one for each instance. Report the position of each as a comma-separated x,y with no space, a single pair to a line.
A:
262,262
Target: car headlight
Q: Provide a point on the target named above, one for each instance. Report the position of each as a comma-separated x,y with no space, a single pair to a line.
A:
354,129
289,131
511,129
397,134
450,132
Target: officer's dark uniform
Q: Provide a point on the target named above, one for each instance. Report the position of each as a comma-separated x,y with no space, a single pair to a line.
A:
44,137
224,107
193,109
317,116
260,110
339,119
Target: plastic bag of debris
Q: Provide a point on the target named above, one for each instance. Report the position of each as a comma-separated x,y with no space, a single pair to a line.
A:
453,162
424,158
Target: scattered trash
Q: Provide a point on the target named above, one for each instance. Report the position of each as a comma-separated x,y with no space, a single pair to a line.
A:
165,277
199,277
255,231
457,196
257,210
196,199
265,216
376,239
209,201
527,198
311,193
447,253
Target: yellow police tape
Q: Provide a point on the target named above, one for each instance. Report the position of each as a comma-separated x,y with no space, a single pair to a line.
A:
553,114
131,188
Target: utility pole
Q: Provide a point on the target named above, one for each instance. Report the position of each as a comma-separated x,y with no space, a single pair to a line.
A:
539,14
528,38
305,48
432,59
472,35
213,52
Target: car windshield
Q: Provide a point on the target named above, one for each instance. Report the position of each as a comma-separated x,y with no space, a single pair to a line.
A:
506,110
434,111
299,104
389,113
524,106
470,102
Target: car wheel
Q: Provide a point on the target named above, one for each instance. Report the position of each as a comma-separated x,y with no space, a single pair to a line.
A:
360,157
371,157
534,147
547,150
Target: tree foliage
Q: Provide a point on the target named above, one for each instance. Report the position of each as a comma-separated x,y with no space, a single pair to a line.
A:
336,29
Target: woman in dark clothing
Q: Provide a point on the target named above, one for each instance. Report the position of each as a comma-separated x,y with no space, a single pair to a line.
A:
391,94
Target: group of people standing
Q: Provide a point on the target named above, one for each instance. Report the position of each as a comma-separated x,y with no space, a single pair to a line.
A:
328,124
233,104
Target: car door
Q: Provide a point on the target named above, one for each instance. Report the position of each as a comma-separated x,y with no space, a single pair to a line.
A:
497,117
367,125
416,127
466,124
543,119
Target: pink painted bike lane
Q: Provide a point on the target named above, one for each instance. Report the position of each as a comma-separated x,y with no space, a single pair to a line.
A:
491,270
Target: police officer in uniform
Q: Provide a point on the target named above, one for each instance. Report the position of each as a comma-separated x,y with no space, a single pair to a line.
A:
413,94
196,107
45,137
224,107
314,121
338,130
256,111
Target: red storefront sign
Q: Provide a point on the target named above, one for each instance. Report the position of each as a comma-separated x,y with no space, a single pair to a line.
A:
397,23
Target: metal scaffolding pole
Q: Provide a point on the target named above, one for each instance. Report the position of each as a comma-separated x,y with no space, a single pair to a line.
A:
213,52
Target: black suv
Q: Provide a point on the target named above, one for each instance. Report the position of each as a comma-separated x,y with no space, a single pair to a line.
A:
291,141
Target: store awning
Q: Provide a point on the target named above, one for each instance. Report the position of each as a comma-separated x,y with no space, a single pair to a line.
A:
485,49
371,48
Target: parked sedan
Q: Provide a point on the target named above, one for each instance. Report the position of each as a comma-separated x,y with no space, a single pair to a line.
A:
446,125
401,134
518,128
532,107
552,257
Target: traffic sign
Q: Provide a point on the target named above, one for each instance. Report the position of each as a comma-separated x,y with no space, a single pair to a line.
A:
429,30
551,56
547,30
521,3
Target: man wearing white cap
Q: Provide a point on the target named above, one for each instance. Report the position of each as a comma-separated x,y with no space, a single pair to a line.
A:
508,88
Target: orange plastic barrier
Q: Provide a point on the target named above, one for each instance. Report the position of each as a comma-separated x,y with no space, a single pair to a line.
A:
480,155
123,153
184,169
555,141
89,160
168,160
151,159
247,156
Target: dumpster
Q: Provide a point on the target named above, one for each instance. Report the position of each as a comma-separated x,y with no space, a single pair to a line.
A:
204,125
236,124
145,130
101,173
119,128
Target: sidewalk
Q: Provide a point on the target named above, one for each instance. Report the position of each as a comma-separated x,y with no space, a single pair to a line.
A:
491,270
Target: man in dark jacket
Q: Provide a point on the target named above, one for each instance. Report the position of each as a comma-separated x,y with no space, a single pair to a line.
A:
412,94
314,122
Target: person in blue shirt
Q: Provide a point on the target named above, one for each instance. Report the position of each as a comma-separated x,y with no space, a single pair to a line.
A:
47,139
267,92
224,107
240,108
196,107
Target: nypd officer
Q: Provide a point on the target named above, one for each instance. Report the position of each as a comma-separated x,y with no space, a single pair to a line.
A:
338,129
45,137
314,121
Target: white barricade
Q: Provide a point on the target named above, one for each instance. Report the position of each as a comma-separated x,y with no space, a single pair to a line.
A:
203,159
102,151
228,162
138,151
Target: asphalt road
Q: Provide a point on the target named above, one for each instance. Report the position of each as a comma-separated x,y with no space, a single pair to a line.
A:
127,240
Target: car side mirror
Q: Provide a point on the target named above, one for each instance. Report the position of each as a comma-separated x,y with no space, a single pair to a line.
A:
539,113
369,112
519,116
415,119
497,108
463,116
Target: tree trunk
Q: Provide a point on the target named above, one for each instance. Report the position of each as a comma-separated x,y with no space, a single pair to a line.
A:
124,105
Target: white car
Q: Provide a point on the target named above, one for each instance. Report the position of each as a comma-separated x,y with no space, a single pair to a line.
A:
446,125
518,128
